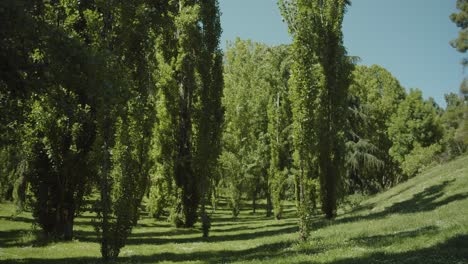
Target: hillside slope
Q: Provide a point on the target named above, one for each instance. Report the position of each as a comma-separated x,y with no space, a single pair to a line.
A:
424,220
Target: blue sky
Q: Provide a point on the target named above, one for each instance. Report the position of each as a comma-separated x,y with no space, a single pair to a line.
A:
410,38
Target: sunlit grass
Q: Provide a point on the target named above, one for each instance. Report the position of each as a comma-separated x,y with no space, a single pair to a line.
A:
424,220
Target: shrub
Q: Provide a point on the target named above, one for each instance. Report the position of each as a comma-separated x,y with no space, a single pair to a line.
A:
419,158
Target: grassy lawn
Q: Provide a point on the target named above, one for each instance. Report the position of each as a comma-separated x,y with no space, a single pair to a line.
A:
424,220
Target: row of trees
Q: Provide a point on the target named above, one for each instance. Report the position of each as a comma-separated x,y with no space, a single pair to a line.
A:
304,122
106,97
121,104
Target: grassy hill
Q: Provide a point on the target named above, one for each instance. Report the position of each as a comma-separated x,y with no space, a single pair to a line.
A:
424,220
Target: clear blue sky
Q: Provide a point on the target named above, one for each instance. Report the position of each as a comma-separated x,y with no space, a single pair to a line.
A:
410,38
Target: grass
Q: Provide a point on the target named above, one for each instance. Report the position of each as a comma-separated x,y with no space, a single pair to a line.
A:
424,220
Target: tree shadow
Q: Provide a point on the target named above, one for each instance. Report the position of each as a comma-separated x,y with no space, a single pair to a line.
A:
454,250
245,227
222,256
213,238
17,219
379,241
11,238
424,201
218,234
24,238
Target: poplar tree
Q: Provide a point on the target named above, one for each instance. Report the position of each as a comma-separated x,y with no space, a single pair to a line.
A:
210,117
245,157
319,87
189,112
279,124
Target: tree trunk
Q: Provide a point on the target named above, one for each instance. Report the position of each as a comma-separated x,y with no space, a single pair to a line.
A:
268,204
69,217
254,201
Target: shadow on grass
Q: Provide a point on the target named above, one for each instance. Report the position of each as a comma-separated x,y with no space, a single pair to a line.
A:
221,256
12,238
24,238
152,238
424,201
17,219
379,241
452,251
245,227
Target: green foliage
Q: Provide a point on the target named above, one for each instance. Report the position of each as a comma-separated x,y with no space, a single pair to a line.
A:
321,75
233,176
279,124
461,20
9,155
245,153
419,158
375,96
58,138
189,113
125,99
453,122
159,196
415,122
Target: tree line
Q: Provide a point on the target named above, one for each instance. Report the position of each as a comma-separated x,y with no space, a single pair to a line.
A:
106,97
112,106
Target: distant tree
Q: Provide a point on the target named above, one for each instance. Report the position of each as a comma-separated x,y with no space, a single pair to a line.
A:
321,75
461,20
415,122
453,121
377,96
461,44
245,143
279,124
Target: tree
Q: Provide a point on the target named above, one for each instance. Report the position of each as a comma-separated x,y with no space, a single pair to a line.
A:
56,121
453,121
461,44
124,138
190,114
461,20
319,86
279,124
415,122
245,154
377,95
210,118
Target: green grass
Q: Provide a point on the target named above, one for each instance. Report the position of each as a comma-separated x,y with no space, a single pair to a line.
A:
424,220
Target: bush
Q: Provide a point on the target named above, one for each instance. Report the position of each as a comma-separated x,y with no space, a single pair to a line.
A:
419,158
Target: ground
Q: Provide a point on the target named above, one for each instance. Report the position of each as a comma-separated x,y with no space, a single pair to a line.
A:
424,220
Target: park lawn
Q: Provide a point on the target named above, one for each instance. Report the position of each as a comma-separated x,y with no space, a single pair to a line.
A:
424,220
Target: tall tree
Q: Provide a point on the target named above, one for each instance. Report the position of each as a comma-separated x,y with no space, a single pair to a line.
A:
210,114
279,124
461,44
190,114
121,35
245,154
321,75
461,20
